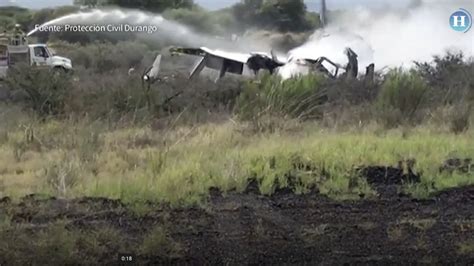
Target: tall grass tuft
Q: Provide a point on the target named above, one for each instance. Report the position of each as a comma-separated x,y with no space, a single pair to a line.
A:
460,118
63,175
300,98
401,97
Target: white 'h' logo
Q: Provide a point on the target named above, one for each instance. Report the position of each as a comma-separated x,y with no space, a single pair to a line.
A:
459,20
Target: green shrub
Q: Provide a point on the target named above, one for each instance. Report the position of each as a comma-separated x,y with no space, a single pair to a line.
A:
460,118
282,15
300,98
402,94
63,175
10,15
449,77
46,89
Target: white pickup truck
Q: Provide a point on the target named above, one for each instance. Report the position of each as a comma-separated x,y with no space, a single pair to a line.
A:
33,54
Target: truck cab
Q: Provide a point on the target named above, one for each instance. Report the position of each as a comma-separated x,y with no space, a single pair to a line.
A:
42,56
15,50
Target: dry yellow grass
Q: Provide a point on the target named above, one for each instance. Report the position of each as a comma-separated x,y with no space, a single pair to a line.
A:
77,159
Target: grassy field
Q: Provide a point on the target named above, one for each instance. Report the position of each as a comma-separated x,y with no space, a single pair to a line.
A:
178,165
100,134
95,164
149,165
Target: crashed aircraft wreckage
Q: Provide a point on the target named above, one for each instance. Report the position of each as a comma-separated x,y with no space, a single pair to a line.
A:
151,74
236,63
231,62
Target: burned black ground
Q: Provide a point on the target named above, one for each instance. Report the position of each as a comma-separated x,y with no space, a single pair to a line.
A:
245,228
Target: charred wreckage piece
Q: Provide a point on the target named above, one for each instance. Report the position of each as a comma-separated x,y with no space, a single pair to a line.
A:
151,74
230,62
234,63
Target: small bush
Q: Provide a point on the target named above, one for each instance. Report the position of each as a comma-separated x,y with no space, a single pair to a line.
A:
449,77
63,175
403,94
46,89
29,143
460,118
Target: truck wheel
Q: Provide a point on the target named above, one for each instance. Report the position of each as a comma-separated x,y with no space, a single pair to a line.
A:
60,71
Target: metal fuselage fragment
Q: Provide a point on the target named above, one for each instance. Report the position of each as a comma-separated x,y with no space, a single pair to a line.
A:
227,62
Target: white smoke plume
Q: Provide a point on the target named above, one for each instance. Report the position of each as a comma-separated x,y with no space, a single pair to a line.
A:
167,30
389,37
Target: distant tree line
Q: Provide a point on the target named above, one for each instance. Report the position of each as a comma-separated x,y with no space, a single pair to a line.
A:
11,15
149,5
282,15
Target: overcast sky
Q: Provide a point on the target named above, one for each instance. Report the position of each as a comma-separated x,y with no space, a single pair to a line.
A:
216,4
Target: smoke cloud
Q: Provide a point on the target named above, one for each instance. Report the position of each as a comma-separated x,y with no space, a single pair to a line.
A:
389,37
170,31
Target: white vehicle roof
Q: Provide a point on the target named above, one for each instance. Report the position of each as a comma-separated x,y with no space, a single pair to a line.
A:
37,45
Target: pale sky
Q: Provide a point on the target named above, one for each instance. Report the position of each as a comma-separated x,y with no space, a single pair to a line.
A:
313,5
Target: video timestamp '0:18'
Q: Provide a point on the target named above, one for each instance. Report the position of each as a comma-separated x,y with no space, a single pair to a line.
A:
126,258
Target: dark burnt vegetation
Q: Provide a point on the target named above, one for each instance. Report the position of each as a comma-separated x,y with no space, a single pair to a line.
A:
265,230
